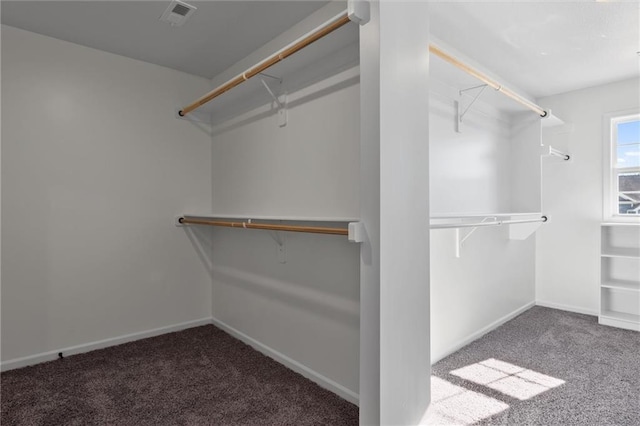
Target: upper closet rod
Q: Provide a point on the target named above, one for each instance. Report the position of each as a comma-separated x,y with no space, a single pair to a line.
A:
490,82
297,45
186,220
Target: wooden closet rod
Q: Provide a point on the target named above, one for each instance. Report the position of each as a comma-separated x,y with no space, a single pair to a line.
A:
300,44
490,82
272,227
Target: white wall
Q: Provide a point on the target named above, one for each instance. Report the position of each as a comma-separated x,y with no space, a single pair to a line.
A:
404,212
306,309
568,246
369,40
94,169
471,172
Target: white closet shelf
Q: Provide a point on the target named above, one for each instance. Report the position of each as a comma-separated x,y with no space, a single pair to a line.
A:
481,215
619,280
632,319
627,253
622,285
325,219
629,224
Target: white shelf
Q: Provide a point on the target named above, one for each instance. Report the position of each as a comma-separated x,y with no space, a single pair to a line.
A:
621,316
622,252
274,218
481,215
622,285
620,320
619,279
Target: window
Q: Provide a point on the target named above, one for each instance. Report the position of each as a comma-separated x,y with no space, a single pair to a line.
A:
622,176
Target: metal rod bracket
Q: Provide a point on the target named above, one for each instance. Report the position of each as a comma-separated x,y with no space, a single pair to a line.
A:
358,11
460,241
357,233
460,112
194,116
279,101
557,153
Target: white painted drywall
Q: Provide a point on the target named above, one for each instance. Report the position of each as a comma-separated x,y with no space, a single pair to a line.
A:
404,212
307,308
370,217
94,169
309,168
568,246
472,172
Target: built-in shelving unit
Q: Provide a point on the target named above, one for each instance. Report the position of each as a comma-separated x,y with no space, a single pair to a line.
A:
620,275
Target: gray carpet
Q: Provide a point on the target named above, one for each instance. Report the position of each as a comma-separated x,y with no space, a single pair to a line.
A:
545,367
200,376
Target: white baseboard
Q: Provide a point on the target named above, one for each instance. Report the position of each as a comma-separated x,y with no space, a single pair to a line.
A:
310,374
100,344
478,334
568,308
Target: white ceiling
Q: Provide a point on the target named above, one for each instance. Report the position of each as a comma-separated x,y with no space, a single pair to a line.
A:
219,34
541,47
548,47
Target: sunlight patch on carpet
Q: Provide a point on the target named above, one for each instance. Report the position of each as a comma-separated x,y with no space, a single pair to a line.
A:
511,380
455,405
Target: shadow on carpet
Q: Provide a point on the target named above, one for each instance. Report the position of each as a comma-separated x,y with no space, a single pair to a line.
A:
200,376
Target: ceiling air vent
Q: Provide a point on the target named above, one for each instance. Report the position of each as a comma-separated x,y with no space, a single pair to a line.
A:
177,13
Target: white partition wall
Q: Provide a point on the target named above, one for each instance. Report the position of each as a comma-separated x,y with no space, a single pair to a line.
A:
370,217
404,212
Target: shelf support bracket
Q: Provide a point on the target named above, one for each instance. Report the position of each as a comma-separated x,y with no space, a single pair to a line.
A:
461,112
280,102
460,240
279,238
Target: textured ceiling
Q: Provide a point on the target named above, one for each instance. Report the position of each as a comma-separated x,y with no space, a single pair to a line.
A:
545,47
219,34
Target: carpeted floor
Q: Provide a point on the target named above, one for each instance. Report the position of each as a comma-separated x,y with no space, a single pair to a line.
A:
200,376
545,367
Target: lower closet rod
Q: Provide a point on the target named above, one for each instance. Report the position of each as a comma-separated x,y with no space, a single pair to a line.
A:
494,223
272,227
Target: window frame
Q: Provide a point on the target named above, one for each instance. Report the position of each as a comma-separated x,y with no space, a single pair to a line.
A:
610,200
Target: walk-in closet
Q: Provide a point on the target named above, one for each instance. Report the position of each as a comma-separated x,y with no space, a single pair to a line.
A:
320,212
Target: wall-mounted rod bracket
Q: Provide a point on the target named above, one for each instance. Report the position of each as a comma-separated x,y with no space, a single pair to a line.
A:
279,238
195,117
280,102
460,112
264,74
358,11
357,233
460,241
557,153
